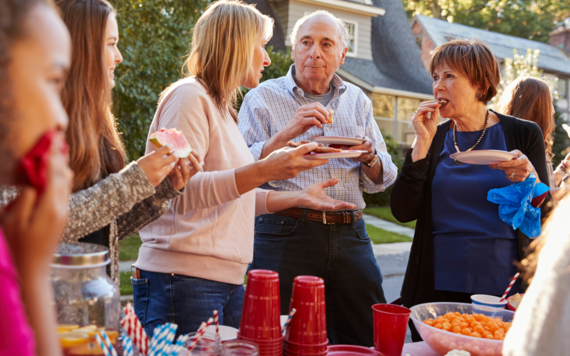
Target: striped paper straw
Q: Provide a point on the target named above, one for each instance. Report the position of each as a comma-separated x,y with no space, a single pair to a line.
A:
108,343
293,311
510,286
101,345
179,345
166,341
127,346
156,337
217,322
200,333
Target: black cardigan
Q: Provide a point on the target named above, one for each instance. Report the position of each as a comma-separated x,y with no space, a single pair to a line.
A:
411,200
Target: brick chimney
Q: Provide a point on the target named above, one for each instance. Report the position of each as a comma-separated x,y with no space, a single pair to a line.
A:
424,43
561,36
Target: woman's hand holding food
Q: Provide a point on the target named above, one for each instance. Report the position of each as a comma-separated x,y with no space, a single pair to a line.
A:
425,127
518,169
33,225
181,173
158,164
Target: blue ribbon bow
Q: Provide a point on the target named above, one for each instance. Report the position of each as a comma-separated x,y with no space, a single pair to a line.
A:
515,205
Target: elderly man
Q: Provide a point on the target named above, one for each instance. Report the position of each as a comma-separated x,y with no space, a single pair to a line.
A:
333,246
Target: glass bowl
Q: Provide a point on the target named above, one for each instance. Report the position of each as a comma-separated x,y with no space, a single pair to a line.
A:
442,341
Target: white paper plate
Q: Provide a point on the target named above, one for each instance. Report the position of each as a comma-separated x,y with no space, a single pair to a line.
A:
343,154
336,140
484,157
226,332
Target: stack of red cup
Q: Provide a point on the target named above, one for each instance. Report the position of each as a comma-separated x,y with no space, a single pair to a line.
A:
261,312
307,332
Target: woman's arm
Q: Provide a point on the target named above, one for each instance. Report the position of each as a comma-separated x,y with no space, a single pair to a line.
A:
408,190
93,208
148,210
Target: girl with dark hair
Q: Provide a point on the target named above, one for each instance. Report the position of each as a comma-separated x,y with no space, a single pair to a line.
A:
34,59
530,99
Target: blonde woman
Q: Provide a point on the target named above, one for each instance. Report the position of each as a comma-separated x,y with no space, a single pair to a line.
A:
194,258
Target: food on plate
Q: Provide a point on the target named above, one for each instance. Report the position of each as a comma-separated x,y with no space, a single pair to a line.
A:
458,353
174,138
475,325
515,300
319,149
330,118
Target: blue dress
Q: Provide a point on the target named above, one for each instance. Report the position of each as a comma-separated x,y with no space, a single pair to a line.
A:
474,249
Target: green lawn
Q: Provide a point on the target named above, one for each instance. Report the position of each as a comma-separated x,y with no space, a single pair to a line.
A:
126,286
129,248
384,212
381,236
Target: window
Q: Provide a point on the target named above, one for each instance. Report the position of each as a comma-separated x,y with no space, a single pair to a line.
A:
563,87
352,31
406,110
383,106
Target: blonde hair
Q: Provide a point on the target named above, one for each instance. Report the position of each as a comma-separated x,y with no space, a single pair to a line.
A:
222,48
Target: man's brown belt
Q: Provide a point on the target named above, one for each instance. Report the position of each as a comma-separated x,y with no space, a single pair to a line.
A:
326,217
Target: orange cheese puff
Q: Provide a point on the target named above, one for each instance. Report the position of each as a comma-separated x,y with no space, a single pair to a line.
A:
475,334
456,329
474,324
493,327
438,325
455,322
466,332
457,313
440,319
498,333
489,336
429,322
469,319
486,328
464,325
446,326
480,317
479,329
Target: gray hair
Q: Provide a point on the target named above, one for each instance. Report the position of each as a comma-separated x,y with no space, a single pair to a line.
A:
344,35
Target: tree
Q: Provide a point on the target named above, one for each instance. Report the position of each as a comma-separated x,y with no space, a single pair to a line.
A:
154,37
532,19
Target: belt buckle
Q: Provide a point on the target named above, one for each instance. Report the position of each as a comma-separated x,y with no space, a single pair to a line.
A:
325,217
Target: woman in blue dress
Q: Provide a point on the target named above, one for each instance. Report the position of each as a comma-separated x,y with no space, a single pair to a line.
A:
461,246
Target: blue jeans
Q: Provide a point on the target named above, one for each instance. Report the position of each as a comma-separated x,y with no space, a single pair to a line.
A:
186,301
340,254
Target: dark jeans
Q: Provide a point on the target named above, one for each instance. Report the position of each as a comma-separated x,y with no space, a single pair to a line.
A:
186,301
340,254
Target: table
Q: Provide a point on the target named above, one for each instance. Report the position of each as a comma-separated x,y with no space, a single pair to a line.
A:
418,349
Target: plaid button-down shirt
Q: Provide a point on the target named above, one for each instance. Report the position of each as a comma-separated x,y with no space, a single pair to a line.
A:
267,109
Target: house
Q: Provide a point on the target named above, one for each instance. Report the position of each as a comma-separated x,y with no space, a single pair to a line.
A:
382,59
553,59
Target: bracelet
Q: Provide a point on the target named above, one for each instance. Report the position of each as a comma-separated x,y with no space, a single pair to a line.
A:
374,160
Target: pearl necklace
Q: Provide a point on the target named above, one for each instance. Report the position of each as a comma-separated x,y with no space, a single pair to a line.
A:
476,143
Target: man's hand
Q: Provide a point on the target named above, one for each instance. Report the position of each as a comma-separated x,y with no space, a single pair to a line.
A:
364,146
305,117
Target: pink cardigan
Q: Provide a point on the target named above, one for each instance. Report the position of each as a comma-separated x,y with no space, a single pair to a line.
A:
16,337
208,231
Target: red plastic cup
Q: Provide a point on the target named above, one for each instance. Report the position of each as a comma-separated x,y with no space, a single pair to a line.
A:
261,306
306,349
309,325
390,325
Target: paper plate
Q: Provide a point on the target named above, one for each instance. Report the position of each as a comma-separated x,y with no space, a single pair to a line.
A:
343,154
484,157
341,350
337,140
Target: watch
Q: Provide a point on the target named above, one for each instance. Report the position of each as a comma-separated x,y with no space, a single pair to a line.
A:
373,162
